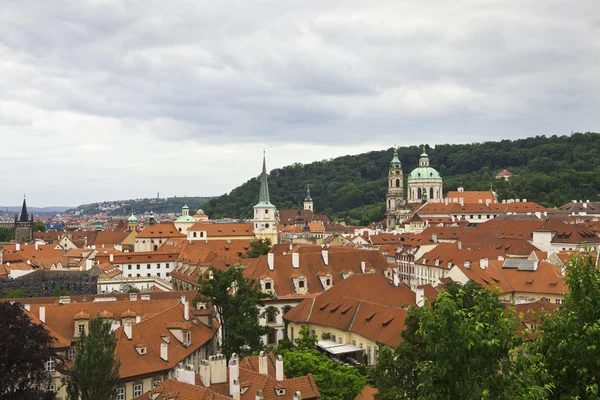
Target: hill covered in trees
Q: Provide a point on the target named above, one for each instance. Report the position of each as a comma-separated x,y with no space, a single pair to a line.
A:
549,170
141,206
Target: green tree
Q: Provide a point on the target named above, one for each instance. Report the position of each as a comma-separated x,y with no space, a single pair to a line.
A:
59,291
568,341
15,294
236,300
94,374
306,339
335,381
259,248
461,346
7,234
25,348
39,226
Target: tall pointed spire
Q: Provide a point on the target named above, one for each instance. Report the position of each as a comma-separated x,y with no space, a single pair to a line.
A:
395,163
263,198
24,216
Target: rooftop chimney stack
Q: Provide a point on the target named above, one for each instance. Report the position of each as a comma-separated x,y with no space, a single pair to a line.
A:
483,263
279,369
297,396
205,373
111,257
259,395
129,333
43,314
234,373
296,260
263,367
218,369
363,266
18,246
325,255
235,389
271,261
164,350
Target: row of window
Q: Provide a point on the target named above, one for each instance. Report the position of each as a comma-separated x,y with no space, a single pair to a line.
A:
148,266
130,275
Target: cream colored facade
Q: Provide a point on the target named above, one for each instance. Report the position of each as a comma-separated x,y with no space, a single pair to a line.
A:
369,346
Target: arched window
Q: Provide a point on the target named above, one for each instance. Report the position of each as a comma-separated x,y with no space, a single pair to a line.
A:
268,285
286,309
271,315
194,234
397,183
155,247
301,284
389,204
431,193
419,193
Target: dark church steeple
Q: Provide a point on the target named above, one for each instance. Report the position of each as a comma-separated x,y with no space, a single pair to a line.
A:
24,215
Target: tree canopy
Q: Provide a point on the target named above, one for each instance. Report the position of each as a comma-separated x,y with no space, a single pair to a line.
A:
236,300
94,373
259,248
25,348
549,170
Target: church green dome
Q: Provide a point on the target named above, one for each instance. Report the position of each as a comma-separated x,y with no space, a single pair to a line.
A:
186,218
424,173
132,219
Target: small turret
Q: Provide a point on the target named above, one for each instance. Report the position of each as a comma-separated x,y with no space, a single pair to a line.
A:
308,201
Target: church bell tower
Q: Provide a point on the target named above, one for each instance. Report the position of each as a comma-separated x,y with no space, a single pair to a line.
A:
395,193
265,217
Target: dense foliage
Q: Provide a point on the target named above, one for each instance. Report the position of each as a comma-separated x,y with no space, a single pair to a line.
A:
335,381
158,206
236,300
259,248
94,373
568,342
7,234
25,348
550,170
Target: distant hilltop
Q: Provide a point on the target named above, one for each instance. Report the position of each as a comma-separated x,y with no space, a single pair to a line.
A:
139,206
51,210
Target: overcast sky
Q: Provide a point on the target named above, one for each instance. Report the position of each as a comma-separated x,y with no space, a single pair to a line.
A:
104,100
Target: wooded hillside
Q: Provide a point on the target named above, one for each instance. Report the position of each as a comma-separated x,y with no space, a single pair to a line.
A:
551,171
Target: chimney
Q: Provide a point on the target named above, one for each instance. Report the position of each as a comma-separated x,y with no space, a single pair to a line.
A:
43,314
235,389
259,395
468,264
363,266
524,200
483,263
164,351
291,246
296,260
488,202
271,261
325,255
37,246
218,369
459,245
434,238
279,368
138,319
396,279
18,247
297,396
420,297
129,331
263,368
480,201
186,308
462,201
234,373
584,205
205,373
111,257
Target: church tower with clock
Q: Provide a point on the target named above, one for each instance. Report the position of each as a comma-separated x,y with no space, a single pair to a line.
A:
265,217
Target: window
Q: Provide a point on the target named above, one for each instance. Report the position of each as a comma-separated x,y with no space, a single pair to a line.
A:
292,333
271,315
286,309
148,274
121,393
137,390
272,336
80,328
267,285
339,340
312,332
557,301
167,274
194,234
328,282
353,342
266,212
360,345
301,284
333,338
138,266
138,275
157,266
158,274
147,266
167,266
369,354
50,365
154,383
201,234
129,266
52,388
471,216
71,353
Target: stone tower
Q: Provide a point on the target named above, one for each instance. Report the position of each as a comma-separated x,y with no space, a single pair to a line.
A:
395,193
265,217
23,226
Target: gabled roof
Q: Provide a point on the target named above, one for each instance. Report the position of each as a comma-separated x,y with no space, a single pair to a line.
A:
369,305
162,230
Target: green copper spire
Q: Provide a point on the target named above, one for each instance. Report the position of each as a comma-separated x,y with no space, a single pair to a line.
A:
263,198
395,160
307,193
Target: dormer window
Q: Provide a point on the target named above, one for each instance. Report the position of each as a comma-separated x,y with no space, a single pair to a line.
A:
141,349
80,328
187,337
328,282
301,284
267,285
